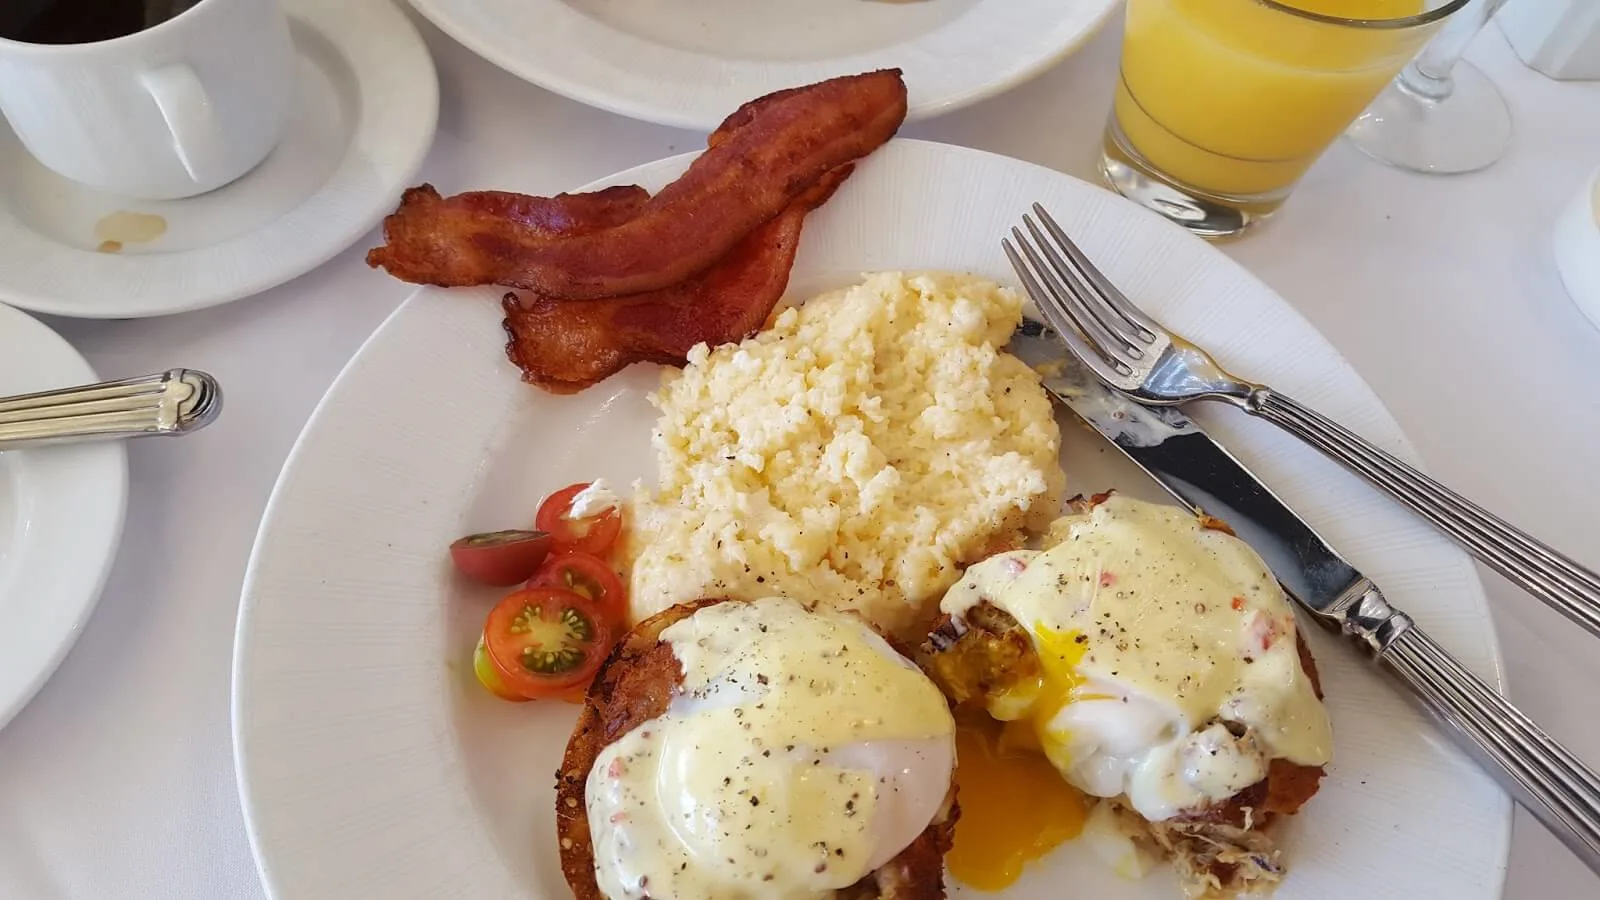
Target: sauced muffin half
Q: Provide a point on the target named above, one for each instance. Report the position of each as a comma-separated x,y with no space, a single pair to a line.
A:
757,748
1155,661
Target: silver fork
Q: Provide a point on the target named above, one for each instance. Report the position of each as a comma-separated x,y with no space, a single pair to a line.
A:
1136,355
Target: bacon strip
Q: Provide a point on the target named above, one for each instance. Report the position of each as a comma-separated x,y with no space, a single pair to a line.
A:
565,347
768,153
424,234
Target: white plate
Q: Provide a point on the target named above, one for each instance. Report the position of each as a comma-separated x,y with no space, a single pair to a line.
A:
364,118
688,63
371,764
61,512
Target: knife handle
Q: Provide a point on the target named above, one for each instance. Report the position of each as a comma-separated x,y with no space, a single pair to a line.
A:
177,401
1542,571
1540,774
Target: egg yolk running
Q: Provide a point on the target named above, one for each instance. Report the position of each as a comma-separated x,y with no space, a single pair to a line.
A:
1015,806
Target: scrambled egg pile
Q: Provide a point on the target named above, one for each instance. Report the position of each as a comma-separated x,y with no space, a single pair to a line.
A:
857,453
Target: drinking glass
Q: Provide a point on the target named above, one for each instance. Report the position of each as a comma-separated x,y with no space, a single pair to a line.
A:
1223,104
1442,115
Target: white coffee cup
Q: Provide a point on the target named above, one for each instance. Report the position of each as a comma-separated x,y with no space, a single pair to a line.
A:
175,110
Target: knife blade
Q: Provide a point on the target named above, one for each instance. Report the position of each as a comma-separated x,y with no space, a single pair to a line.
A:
1537,771
1202,475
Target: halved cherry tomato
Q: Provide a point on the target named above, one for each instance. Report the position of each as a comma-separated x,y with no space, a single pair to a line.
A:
489,676
546,642
588,575
501,558
591,534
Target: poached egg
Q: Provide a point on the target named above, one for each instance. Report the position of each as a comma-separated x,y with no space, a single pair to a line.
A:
1169,674
800,754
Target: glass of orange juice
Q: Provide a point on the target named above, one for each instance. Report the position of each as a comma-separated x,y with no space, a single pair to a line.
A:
1223,104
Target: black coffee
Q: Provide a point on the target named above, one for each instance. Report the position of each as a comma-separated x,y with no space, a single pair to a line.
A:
82,21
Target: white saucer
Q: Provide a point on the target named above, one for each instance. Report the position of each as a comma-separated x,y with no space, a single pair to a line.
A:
365,116
61,514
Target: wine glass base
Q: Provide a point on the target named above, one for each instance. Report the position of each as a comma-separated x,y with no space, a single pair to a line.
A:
1468,130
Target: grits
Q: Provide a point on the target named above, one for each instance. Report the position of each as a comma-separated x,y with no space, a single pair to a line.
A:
858,453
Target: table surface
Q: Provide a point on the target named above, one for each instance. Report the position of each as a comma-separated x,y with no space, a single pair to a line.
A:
118,780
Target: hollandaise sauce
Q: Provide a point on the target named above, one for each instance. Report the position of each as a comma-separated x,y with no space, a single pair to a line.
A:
801,754
1170,672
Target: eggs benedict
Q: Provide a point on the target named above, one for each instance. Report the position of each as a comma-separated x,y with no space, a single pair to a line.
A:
1154,660
733,749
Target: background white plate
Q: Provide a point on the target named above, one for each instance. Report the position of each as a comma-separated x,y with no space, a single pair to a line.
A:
371,764
61,512
366,106
689,63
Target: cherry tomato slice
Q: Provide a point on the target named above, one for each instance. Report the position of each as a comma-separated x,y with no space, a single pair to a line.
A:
588,575
591,534
546,642
500,558
489,675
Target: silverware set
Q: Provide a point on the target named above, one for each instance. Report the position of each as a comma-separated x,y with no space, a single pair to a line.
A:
1131,375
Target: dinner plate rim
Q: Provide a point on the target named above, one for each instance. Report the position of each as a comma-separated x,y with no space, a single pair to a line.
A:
527,64
100,473
1495,661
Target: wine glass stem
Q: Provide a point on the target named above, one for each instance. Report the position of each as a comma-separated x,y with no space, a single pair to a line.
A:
1428,76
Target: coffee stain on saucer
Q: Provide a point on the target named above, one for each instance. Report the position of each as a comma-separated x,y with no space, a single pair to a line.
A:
123,227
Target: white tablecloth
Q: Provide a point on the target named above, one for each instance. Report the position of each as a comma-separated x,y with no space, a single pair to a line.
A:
118,780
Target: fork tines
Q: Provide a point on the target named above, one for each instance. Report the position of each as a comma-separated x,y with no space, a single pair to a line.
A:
1099,323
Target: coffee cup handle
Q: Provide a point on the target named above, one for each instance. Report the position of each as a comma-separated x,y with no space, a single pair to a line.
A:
187,109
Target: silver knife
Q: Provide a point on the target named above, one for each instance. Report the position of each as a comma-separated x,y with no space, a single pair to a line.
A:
1539,773
174,402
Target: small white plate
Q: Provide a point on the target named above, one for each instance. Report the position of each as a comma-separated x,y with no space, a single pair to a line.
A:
365,114
371,763
689,63
61,512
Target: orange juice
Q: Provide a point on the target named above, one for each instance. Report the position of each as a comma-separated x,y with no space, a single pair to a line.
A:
1235,99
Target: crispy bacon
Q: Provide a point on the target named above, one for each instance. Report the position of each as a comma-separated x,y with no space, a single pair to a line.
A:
747,112
566,347
768,153
424,234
